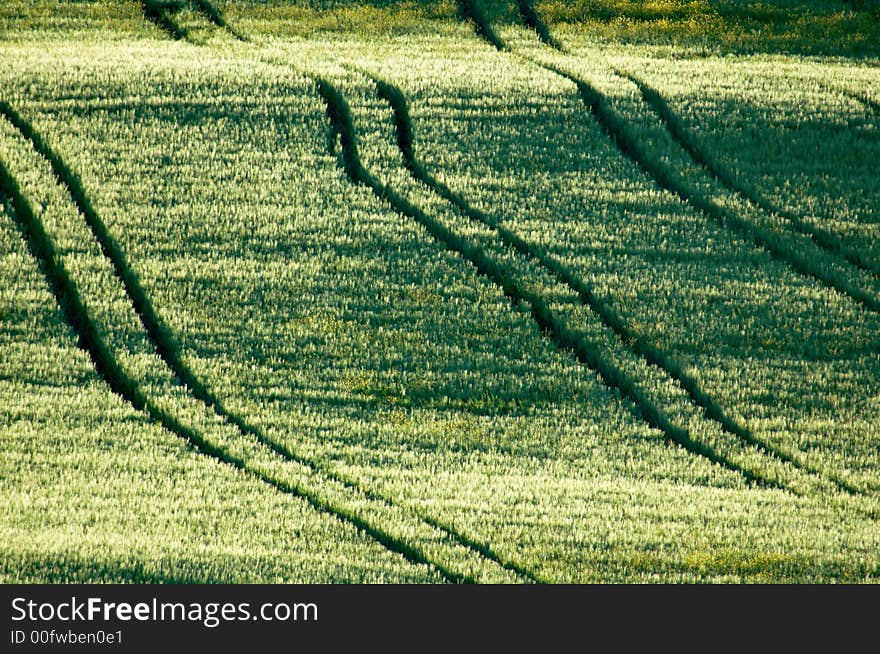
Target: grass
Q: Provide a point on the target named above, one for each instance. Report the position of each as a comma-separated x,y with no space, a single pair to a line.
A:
359,296
690,27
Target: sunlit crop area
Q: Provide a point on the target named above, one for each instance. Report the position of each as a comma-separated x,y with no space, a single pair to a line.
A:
493,292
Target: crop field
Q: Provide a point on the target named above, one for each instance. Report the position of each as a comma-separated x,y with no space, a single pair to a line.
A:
439,292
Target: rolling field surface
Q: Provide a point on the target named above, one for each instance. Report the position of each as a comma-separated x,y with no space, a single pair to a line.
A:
436,292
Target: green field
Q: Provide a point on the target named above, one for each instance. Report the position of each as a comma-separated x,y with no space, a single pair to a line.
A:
493,292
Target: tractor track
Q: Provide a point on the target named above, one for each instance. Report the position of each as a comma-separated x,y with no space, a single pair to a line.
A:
617,131
649,352
614,128
157,333
158,12
871,105
215,16
164,343
686,140
168,350
453,534
342,126
89,340
471,11
628,144
532,19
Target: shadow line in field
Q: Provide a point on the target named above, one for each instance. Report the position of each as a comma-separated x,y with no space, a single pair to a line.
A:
532,19
472,11
636,343
481,549
158,12
89,339
871,105
615,128
215,16
565,339
680,134
210,107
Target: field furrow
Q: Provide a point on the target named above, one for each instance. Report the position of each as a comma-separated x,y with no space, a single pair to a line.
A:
108,368
613,125
157,12
636,342
168,351
604,359
345,500
131,461
794,253
215,16
823,238
454,291
564,338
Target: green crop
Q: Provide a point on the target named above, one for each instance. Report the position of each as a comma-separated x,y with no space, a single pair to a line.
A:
433,292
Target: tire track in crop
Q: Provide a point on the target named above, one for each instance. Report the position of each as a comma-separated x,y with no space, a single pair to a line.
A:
612,126
649,352
867,102
157,12
89,340
534,22
472,11
686,140
165,347
157,333
215,16
565,339
617,131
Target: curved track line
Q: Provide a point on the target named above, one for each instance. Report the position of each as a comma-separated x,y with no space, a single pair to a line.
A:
165,346
482,549
76,315
534,22
472,11
628,144
156,11
871,105
157,333
686,140
566,340
169,352
615,130
214,15
649,352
